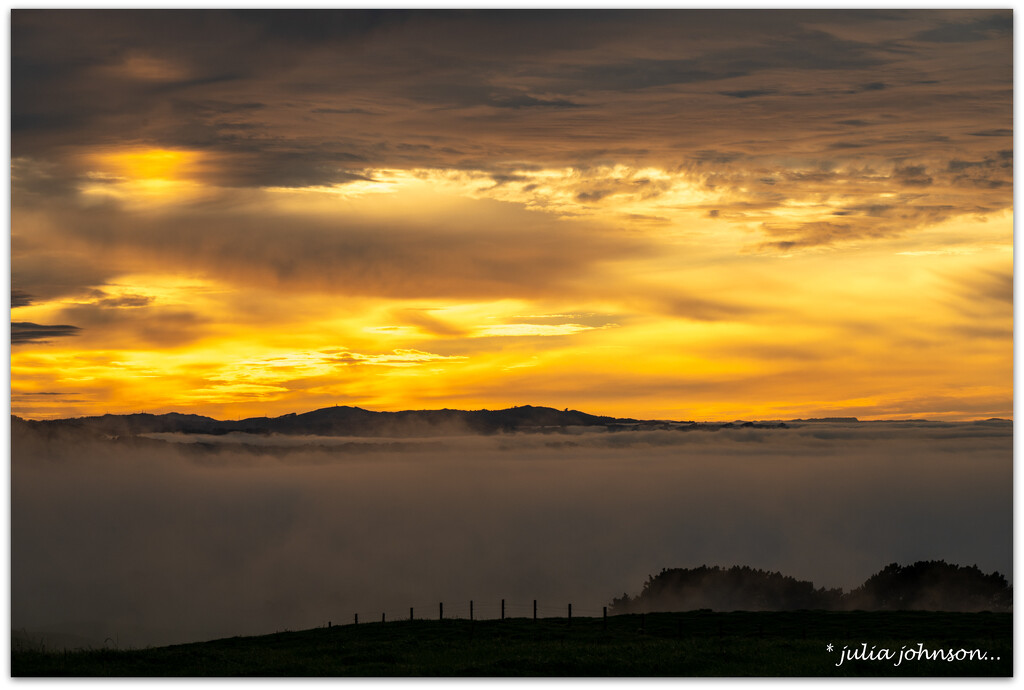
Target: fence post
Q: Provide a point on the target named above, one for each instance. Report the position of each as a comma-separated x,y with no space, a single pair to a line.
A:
570,613
470,609
534,609
604,617
329,625
440,611
382,617
502,609
357,619
410,613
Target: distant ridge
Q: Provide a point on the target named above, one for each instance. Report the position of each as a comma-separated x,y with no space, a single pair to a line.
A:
343,421
829,419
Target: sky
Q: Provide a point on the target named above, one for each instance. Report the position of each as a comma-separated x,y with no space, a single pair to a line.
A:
671,214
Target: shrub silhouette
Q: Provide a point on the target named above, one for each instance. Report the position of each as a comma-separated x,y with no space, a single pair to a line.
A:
931,586
733,589
925,585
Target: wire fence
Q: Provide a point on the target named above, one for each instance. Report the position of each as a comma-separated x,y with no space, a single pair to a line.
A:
475,609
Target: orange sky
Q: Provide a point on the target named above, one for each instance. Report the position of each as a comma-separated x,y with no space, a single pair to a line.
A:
680,214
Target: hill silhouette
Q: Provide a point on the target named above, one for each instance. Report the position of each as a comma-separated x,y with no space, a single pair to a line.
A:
931,586
340,421
738,588
923,586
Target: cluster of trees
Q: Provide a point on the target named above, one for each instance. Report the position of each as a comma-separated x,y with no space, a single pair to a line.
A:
925,586
932,586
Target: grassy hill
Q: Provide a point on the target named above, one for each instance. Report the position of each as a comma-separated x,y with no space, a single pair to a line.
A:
697,643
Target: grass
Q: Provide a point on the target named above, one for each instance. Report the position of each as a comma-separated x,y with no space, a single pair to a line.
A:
698,643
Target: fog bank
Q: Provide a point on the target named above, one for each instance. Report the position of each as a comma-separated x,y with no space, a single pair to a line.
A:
151,542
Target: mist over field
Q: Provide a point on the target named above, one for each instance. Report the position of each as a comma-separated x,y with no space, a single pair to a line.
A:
147,541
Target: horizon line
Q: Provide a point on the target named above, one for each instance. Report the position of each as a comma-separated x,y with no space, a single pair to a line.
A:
850,418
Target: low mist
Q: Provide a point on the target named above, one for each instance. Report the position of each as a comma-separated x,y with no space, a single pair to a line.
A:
151,542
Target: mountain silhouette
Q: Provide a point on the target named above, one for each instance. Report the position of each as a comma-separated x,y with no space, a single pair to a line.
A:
342,421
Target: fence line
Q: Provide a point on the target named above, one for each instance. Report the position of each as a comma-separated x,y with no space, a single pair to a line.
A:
476,609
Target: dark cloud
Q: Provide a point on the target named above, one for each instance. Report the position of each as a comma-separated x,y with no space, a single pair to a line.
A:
798,49
862,222
25,332
502,178
811,176
523,62
985,293
802,49
957,166
342,111
50,267
325,97
809,235
65,275
748,93
525,101
912,176
1003,132
1000,24
993,172
301,27
39,181
771,353
845,145
904,212
302,168
125,74
223,107
715,157
135,320
702,309
640,74
524,253
20,298
594,195
125,301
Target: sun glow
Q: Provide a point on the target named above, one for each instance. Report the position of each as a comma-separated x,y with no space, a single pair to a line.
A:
148,164
139,176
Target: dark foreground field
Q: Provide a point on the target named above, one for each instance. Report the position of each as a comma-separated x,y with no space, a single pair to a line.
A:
660,644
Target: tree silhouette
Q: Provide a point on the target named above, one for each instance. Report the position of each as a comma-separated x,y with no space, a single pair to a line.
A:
925,585
736,588
932,586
